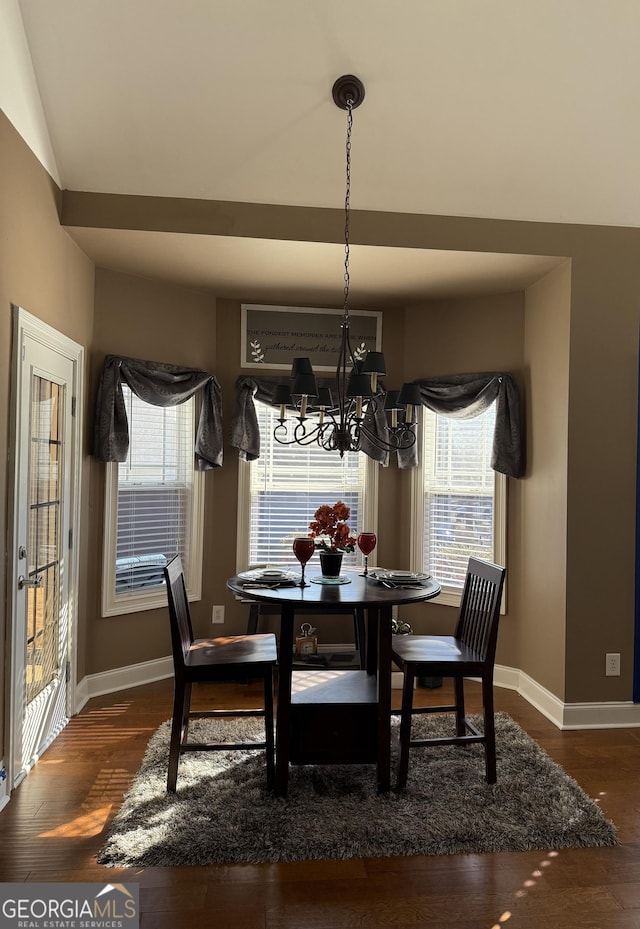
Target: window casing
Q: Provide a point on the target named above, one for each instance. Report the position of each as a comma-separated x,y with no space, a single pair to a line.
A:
153,508
458,500
280,491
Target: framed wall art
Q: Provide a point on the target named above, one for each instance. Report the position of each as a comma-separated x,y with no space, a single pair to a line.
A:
273,335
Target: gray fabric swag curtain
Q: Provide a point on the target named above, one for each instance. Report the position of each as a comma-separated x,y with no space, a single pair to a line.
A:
459,396
463,396
162,385
245,435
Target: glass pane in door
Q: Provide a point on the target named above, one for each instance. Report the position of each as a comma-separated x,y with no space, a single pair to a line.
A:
43,646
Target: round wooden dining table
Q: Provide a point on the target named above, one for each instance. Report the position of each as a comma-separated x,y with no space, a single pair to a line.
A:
340,717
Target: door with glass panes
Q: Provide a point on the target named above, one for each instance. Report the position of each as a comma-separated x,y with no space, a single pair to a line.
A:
42,543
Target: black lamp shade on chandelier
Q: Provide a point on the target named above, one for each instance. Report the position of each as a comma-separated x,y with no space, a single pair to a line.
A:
340,422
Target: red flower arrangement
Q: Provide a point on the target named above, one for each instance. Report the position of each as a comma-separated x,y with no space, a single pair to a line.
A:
330,529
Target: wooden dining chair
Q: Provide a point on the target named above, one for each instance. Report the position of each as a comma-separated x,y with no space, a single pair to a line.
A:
226,658
469,652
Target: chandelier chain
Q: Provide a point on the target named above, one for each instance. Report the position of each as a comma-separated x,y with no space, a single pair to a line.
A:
360,415
347,209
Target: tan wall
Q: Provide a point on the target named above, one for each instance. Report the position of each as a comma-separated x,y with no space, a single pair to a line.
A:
42,270
603,386
601,424
140,318
459,337
539,544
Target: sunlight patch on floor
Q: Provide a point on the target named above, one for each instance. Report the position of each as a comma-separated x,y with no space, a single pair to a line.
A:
82,826
526,885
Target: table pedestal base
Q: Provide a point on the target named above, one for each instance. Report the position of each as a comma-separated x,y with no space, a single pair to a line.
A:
334,718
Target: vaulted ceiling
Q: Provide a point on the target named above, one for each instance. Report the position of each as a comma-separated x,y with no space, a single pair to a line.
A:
521,110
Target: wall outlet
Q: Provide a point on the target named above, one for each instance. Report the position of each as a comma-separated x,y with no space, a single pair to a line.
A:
612,667
217,614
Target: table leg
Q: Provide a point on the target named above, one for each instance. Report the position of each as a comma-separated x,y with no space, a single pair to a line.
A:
384,700
372,640
283,715
252,622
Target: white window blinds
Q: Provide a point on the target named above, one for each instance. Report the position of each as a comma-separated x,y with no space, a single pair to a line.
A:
154,501
154,509
287,485
459,497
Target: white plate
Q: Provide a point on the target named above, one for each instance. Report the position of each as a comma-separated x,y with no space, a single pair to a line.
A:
402,576
270,575
329,581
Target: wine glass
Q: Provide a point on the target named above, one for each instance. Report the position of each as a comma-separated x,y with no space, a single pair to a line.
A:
366,544
303,549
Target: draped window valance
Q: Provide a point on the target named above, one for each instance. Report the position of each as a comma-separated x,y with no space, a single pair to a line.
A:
463,396
460,396
161,385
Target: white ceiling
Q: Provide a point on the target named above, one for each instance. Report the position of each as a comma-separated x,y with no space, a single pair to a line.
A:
266,270
513,109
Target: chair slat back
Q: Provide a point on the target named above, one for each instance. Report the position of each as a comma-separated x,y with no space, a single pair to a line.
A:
179,615
479,612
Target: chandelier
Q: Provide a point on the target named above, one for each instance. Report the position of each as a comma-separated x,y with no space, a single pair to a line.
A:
361,410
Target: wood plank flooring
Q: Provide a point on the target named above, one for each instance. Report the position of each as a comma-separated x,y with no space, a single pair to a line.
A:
54,826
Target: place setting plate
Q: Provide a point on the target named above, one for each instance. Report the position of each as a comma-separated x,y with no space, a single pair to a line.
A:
329,581
268,577
389,578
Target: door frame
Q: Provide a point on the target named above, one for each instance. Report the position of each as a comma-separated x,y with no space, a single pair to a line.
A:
636,618
26,325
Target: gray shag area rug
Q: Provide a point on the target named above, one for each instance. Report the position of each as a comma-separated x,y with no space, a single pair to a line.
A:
222,812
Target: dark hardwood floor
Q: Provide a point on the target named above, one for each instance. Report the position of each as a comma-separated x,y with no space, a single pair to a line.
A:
54,825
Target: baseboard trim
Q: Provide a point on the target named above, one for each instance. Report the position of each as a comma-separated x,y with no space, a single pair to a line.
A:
619,715
612,715
340,648
135,675
533,692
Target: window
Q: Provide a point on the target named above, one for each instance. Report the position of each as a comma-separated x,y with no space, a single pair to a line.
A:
459,500
279,493
153,508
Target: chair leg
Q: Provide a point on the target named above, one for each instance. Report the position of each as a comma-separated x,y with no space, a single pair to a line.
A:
268,727
181,698
186,709
405,726
458,683
489,731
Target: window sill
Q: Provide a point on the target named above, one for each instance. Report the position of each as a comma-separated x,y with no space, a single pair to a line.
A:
449,596
137,603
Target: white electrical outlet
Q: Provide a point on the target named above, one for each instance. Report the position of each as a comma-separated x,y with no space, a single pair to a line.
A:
612,667
217,614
